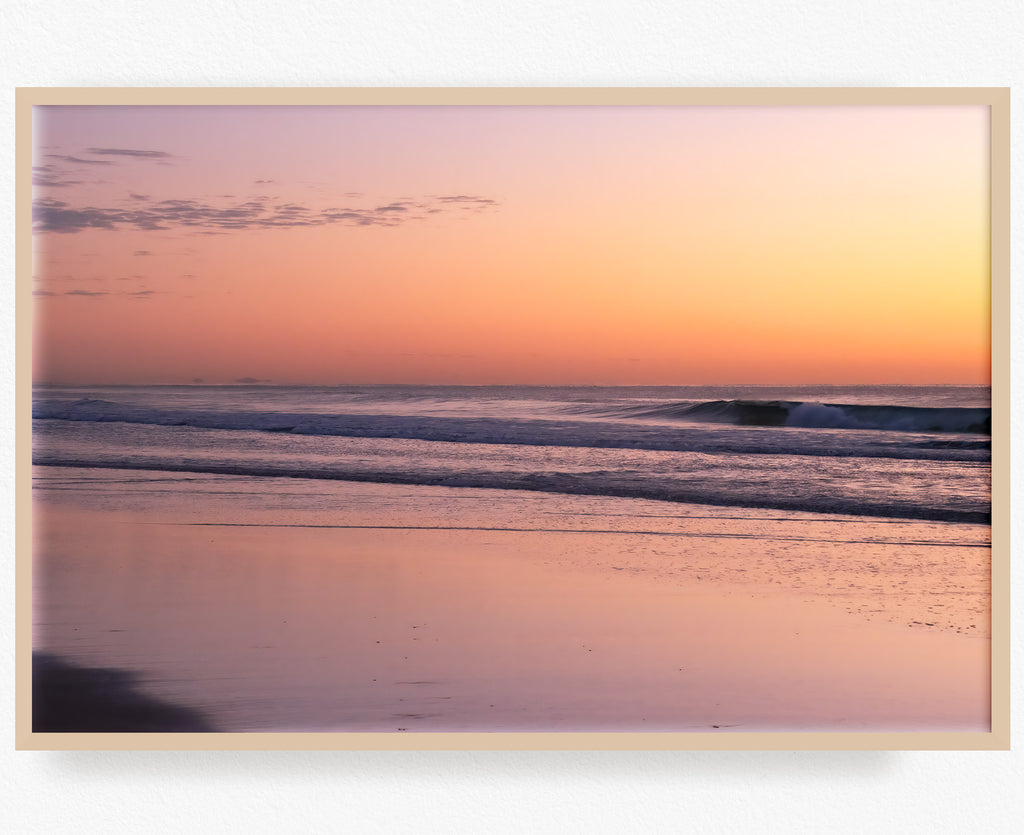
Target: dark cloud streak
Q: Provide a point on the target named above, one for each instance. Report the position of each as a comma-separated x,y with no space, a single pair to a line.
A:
142,295
465,198
77,160
129,152
51,215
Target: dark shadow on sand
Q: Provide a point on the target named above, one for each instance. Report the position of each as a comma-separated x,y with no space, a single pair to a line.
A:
67,698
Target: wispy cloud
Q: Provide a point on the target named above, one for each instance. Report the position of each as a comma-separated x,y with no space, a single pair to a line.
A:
92,294
207,218
129,152
79,160
51,176
468,199
56,216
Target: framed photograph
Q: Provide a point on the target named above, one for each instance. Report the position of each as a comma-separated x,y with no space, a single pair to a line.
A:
513,418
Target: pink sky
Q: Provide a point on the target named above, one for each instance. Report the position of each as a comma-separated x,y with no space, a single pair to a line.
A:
561,245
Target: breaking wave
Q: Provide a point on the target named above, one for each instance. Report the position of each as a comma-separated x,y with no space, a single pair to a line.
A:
824,415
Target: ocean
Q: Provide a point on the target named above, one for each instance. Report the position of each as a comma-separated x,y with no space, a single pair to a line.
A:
888,452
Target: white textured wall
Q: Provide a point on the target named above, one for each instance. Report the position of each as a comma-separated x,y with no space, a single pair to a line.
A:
521,43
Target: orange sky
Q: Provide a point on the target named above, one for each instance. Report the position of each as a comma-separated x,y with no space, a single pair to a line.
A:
549,245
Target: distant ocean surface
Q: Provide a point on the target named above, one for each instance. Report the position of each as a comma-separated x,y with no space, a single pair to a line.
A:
897,452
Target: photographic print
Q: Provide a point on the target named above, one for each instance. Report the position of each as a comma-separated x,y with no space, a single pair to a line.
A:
504,415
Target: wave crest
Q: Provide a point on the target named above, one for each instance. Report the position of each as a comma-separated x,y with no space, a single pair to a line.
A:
826,415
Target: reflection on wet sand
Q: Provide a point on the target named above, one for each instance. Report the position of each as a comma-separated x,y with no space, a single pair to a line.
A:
293,627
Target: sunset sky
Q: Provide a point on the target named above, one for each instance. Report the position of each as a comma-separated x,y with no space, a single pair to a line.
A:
506,244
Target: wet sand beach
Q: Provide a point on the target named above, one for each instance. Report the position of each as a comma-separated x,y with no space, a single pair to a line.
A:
422,609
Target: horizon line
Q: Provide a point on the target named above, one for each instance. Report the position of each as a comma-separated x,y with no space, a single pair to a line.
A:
273,384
